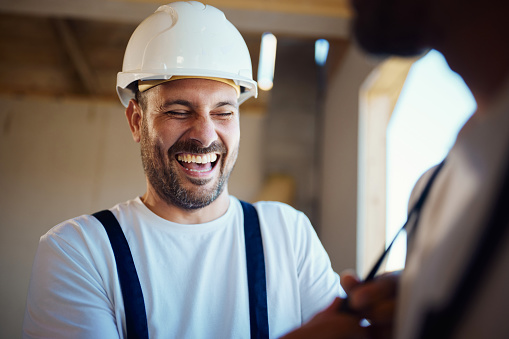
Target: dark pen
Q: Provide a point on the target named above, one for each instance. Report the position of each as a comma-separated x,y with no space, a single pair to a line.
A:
414,212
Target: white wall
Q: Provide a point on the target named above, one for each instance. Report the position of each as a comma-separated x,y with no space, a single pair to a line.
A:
338,228
60,159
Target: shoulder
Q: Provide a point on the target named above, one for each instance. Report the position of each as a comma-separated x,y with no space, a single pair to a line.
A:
283,221
75,239
72,228
280,212
275,207
82,233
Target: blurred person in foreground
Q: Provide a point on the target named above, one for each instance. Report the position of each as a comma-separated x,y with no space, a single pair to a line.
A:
455,281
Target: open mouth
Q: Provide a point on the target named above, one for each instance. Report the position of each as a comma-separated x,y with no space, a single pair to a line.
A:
198,163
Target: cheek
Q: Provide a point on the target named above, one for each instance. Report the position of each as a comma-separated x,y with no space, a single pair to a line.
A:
231,138
165,136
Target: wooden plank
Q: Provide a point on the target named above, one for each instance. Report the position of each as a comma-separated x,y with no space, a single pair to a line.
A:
329,8
76,55
306,18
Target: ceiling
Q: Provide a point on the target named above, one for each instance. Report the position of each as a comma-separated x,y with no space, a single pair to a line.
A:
74,48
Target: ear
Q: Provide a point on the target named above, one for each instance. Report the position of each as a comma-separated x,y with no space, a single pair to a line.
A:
134,117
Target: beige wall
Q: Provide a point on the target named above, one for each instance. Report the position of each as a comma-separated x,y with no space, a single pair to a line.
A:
58,160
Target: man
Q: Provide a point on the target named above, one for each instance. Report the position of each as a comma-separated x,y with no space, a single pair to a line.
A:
186,71
455,281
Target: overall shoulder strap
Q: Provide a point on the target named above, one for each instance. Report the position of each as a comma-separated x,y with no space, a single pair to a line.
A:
257,285
135,316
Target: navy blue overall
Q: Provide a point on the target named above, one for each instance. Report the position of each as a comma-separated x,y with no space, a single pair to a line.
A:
134,304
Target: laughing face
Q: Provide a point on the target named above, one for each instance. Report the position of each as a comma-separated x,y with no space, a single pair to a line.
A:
189,137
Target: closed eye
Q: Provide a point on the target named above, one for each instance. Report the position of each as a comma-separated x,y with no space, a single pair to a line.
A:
178,114
223,115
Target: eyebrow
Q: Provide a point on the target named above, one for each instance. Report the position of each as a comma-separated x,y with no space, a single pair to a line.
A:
227,103
176,102
189,104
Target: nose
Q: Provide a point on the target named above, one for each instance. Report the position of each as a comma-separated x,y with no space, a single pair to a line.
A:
203,131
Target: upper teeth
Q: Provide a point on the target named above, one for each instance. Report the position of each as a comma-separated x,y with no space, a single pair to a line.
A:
199,159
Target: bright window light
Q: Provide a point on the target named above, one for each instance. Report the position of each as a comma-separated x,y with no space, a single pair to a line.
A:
267,61
434,104
321,51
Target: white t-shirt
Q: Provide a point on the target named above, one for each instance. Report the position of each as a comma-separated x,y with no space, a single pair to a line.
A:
452,220
193,277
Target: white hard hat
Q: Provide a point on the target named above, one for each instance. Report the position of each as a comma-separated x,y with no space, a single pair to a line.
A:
186,39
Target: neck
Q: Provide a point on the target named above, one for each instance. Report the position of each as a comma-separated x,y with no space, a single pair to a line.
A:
184,216
478,51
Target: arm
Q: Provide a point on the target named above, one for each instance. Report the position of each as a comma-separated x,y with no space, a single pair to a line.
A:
319,284
374,300
330,324
67,297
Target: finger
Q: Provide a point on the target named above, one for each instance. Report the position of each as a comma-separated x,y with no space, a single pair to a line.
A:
349,281
371,293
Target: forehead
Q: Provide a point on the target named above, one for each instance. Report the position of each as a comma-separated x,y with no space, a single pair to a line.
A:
198,92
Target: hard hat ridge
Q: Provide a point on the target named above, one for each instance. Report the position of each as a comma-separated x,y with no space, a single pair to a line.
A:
186,39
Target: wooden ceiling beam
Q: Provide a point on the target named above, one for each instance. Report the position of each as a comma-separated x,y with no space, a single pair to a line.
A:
328,8
296,17
73,50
